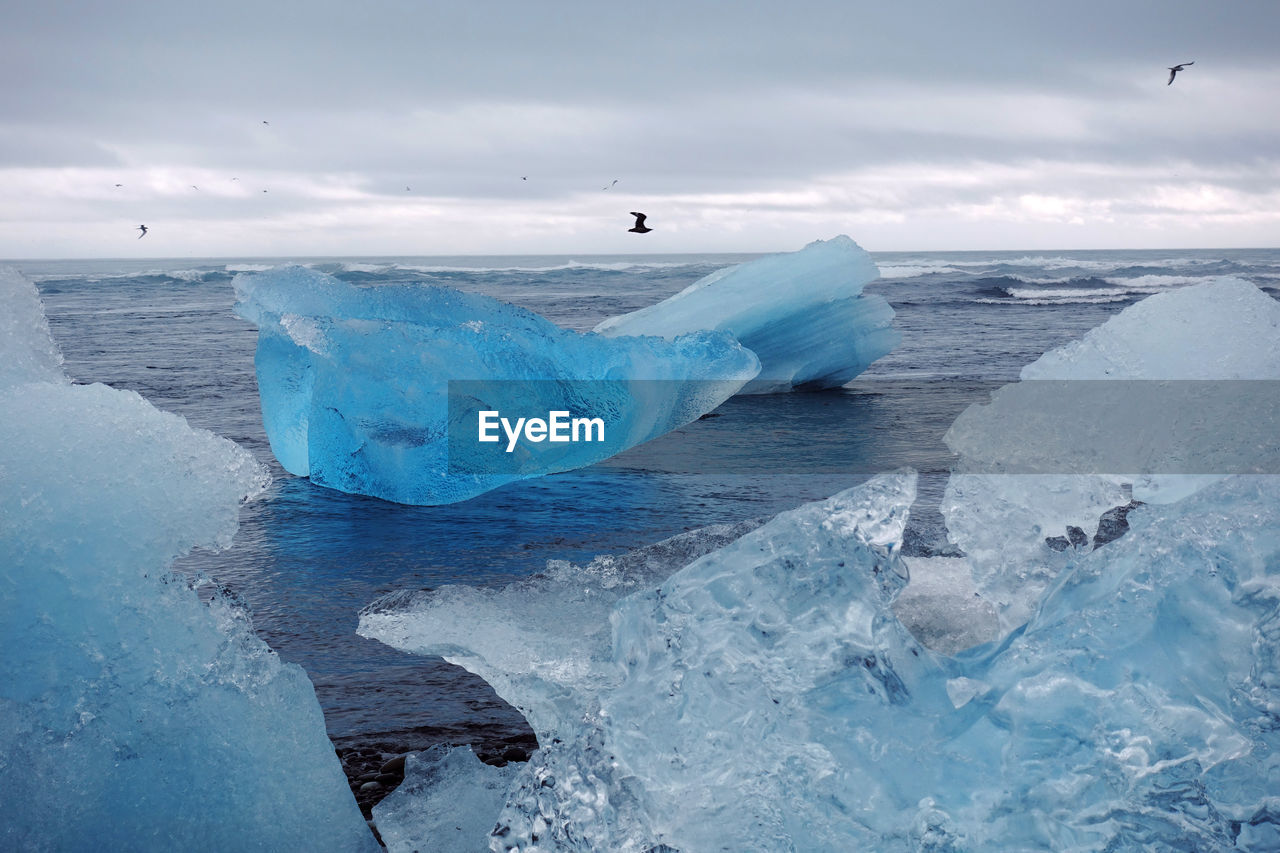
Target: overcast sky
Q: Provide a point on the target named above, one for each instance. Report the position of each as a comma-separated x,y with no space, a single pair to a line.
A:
409,127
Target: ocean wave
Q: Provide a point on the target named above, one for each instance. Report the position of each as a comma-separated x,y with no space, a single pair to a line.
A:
1060,294
1004,285
1088,300
1156,282
249,267
188,275
914,270
372,269
605,266
154,276
146,309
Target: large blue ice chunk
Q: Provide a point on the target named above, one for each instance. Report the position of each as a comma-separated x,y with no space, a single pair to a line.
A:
355,382
133,716
803,313
766,697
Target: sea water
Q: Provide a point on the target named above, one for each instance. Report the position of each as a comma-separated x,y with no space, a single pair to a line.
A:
308,558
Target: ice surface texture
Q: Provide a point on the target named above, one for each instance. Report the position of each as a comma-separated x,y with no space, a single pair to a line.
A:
354,381
767,698
446,803
133,716
803,313
1227,329
27,351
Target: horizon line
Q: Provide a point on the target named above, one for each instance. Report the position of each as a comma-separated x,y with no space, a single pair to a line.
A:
627,254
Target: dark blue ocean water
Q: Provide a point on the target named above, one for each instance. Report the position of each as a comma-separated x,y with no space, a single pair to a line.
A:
307,558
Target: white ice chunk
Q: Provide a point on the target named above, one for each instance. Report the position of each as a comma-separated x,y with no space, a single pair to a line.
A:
446,803
1127,412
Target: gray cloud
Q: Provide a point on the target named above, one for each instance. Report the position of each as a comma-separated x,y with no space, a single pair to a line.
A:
459,101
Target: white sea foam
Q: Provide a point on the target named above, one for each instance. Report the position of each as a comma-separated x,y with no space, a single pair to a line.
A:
1088,300
1068,294
914,270
619,266
1157,282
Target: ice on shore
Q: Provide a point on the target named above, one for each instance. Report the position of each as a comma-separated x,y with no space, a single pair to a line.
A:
545,645
446,803
355,384
1049,455
132,715
803,313
766,697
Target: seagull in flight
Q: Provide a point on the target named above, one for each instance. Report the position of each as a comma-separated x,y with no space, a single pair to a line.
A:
119,185
1174,69
640,227
615,180
143,229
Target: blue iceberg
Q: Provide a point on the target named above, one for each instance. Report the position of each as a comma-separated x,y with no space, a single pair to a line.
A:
765,696
378,391
803,313
132,715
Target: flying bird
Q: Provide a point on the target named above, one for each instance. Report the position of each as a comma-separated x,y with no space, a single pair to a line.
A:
264,121
119,185
615,180
524,178
1174,69
639,226
143,229
194,187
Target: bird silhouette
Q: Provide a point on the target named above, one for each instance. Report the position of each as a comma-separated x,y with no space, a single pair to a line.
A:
640,227
615,180
1174,69
143,229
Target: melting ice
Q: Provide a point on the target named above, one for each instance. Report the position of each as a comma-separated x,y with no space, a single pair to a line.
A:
1226,329
354,382
132,716
803,313
765,697
763,693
